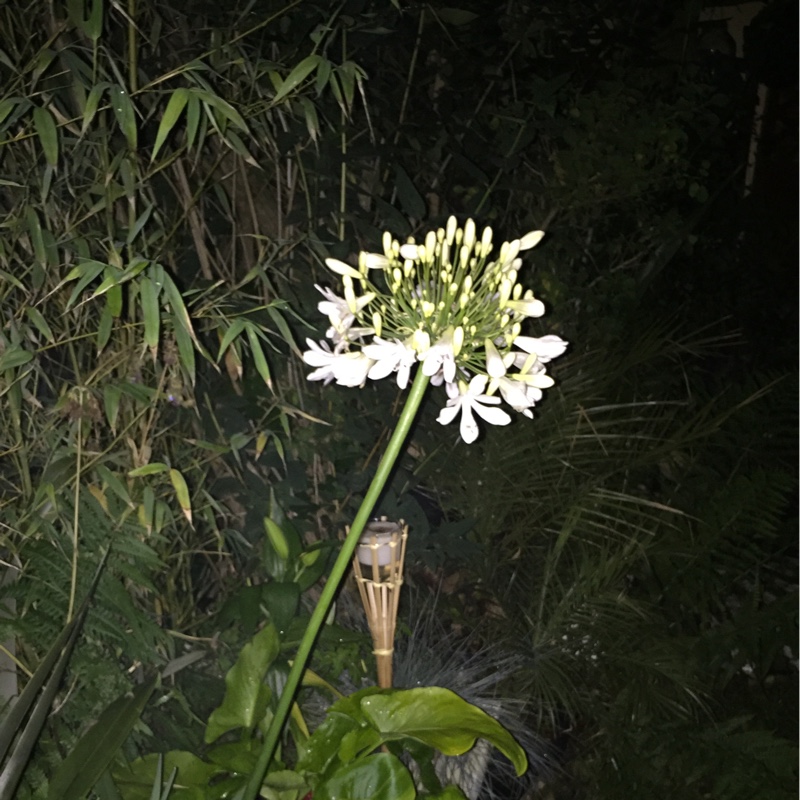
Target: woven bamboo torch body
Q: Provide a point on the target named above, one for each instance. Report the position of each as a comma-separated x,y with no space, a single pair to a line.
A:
378,568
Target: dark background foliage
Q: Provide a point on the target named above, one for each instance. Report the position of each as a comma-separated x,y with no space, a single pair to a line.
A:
635,544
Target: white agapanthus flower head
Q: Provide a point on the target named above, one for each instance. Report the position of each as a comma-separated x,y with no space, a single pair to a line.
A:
448,304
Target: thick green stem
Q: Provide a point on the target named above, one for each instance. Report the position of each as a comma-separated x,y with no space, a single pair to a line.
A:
335,579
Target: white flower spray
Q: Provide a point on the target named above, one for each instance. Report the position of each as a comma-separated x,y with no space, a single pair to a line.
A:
447,304
443,304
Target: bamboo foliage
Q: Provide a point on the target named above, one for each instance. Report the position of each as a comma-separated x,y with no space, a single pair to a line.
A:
143,207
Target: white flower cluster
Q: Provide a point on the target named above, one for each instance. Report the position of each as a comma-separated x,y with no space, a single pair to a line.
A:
445,305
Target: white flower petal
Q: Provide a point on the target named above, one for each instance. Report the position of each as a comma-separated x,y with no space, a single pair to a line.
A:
545,347
468,427
494,416
530,240
341,268
448,414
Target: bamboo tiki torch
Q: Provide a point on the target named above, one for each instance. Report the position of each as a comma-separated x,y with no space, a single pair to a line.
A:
378,566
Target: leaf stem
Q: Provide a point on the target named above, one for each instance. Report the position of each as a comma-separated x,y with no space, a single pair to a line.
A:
335,579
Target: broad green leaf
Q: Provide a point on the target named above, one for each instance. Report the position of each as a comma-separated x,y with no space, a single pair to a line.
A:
281,599
48,134
14,357
455,16
40,323
136,781
171,115
246,694
297,76
276,538
182,493
381,776
441,719
154,468
125,114
90,757
322,748
151,311
114,301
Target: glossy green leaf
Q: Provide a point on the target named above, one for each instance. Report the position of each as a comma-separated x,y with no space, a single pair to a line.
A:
377,777
282,600
125,114
276,538
97,747
171,115
300,72
48,134
136,781
441,719
246,694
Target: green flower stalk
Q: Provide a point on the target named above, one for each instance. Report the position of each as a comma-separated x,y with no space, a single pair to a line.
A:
443,305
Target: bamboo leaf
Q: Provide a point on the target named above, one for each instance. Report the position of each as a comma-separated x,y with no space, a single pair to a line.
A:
192,119
234,329
258,355
92,103
297,76
106,325
14,357
182,493
154,468
40,323
123,111
115,484
48,134
171,115
151,311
